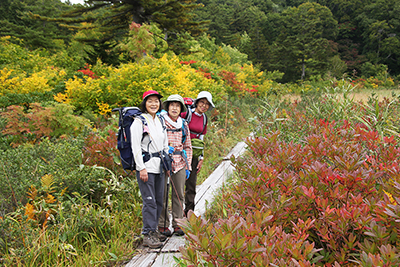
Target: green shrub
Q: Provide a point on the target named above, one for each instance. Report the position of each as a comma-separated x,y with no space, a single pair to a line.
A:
59,229
24,166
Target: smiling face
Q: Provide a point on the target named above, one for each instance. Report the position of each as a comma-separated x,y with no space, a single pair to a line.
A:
202,105
174,110
152,105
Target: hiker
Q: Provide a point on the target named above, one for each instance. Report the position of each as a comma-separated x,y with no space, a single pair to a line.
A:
181,148
197,121
148,144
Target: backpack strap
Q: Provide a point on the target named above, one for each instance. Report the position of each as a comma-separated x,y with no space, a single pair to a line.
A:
188,118
144,123
183,154
162,120
183,129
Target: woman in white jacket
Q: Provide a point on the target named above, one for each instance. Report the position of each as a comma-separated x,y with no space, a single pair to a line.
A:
148,143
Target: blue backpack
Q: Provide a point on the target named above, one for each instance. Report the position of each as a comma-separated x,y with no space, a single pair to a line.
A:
126,117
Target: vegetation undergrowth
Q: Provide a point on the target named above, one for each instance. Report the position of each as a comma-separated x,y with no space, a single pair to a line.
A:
319,187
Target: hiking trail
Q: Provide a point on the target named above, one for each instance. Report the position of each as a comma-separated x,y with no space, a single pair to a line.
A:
205,193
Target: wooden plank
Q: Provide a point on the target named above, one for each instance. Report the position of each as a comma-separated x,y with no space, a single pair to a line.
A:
166,259
142,260
142,249
212,179
219,176
173,244
206,192
209,194
239,149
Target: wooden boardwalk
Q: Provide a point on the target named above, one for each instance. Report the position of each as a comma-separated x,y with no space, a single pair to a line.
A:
205,193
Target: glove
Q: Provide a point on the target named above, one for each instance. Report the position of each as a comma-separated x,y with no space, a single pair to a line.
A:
187,174
171,150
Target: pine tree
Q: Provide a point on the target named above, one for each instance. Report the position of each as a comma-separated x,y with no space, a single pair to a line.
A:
101,21
18,20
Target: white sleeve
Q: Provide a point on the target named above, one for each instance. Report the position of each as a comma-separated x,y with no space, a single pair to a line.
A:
136,143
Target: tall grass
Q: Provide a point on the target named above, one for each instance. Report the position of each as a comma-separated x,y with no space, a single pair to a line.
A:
228,124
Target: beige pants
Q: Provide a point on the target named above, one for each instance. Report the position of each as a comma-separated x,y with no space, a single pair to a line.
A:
176,198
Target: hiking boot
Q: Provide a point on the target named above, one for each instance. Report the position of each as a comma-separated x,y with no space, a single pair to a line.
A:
178,231
151,240
161,236
165,231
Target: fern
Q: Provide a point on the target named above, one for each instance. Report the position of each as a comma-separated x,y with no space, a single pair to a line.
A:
30,212
63,191
47,183
50,199
32,193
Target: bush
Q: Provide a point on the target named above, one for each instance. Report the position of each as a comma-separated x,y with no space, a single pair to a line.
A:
24,166
332,193
39,122
58,229
125,85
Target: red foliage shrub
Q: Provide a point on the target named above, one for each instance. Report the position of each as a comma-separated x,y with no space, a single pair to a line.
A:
230,79
342,182
102,151
205,72
86,71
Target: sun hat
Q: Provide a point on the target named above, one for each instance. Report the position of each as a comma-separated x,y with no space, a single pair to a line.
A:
151,92
175,98
206,95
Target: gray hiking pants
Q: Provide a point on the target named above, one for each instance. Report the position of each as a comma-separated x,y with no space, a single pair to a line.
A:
152,193
176,185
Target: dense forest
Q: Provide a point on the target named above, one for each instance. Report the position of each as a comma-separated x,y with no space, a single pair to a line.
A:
305,40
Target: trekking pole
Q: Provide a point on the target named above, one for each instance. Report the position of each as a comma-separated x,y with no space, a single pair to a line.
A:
166,197
166,203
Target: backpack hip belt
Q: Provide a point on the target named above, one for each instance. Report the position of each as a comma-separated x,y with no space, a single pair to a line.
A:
147,156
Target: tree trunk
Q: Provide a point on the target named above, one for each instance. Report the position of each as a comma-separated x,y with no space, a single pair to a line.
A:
303,69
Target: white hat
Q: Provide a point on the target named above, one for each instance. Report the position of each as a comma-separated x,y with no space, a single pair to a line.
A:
206,95
175,98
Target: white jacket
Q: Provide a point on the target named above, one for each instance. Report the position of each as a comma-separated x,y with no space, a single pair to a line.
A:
156,140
